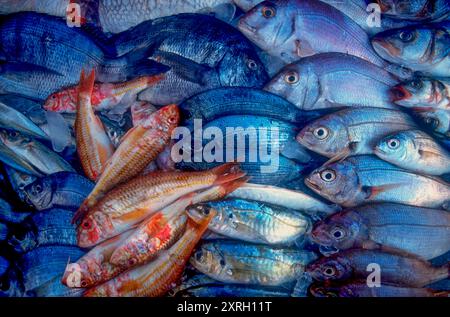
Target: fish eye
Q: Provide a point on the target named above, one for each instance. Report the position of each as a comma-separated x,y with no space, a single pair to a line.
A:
83,284
328,175
38,188
291,78
199,255
252,64
416,84
172,120
86,224
53,96
13,133
268,12
406,36
328,271
321,133
337,233
222,262
132,261
230,216
393,143
432,122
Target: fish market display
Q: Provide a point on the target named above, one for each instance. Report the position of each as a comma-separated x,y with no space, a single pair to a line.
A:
224,148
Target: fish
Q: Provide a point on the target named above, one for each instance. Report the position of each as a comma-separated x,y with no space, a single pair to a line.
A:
64,190
50,7
201,53
94,148
140,146
291,199
423,94
157,277
162,229
54,288
291,30
437,120
414,150
13,119
7,215
30,155
94,267
240,263
22,240
352,131
130,203
233,290
334,80
387,226
254,221
104,97
398,269
42,264
420,10
360,289
140,111
229,101
3,231
423,48
367,179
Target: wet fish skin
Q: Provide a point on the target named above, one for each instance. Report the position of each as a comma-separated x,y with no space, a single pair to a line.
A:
387,225
422,48
414,10
59,190
416,151
254,221
333,80
352,131
240,263
51,7
398,269
293,29
13,119
436,120
367,179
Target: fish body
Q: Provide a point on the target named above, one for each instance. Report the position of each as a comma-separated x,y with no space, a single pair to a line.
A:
157,277
367,179
51,7
254,221
416,151
130,203
387,225
295,29
13,119
420,10
398,269
233,290
333,80
423,48
352,131
240,263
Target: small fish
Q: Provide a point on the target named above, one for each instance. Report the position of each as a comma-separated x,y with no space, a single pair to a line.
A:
138,148
367,179
157,277
415,9
398,269
14,120
130,203
423,94
93,145
360,289
416,151
254,221
333,80
437,120
352,131
104,97
423,48
383,226
240,263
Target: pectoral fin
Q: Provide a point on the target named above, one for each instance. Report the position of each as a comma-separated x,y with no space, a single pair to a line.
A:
373,191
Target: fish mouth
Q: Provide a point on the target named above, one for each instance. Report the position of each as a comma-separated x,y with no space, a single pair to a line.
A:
399,93
244,26
378,150
312,185
383,45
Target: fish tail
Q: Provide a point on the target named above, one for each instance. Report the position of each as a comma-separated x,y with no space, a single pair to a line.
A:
86,85
227,172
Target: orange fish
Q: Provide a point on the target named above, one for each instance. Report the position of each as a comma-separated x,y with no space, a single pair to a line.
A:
93,144
138,148
159,276
130,203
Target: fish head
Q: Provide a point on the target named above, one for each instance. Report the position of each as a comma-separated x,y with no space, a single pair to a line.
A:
406,46
437,120
81,274
414,93
12,138
93,229
60,101
321,290
338,182
242,68
40,193
246,5
402,8
197,212
126,256
208,260
166,118
399,147
339,230
330,268
327,136
269,24
296,84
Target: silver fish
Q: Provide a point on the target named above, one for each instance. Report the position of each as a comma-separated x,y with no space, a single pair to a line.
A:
13,119
437,120
421,10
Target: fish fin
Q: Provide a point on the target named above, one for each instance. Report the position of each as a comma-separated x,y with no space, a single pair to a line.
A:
428,155
59,131
184,67
227,172
141,65
86,85
82,210
224,12
343,155
370,245
235,184
373,191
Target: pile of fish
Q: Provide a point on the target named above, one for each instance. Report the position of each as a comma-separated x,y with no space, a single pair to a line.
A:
94,203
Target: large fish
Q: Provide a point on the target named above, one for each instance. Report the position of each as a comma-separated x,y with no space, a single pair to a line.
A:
140,146
13,119
94,147
254,221
387,225
292,29
157,277
333,80
130,203
415,9
202,52
240,263
395,268
352,131
422,48
416,151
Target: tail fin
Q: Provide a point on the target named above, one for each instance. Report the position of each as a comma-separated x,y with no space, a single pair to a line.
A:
227,172
86,85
